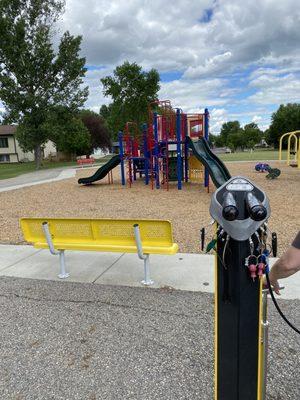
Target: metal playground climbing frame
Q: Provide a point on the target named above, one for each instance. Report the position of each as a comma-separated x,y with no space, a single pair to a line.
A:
159,152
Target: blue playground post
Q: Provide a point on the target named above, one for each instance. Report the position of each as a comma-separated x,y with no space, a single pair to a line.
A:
156,150
120,137
146,155
206,132
178,142
186,151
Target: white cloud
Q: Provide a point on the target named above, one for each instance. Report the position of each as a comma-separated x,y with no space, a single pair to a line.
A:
211,65
154,33
253,30
275,90
277,69
241,63
262,121
192,96
254,45
170,34
218,116
256,118
92,80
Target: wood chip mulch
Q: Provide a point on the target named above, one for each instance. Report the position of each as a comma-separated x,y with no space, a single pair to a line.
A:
188,210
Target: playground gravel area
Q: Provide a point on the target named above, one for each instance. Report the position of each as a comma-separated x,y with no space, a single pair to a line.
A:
188,210
105,342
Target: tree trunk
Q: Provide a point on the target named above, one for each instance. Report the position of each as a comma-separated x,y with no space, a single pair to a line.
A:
38,156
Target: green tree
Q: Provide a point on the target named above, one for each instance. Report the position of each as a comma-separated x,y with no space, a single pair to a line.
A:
266,135
98,131
131,90
285,119
33,77
105,112
253,134
236,140
66,129
216,140
74,139
211,139
229,128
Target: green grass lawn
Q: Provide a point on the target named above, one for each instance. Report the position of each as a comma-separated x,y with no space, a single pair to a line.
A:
12,170
15,169
256,155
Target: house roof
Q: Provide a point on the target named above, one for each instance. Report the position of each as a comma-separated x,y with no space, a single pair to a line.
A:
8,129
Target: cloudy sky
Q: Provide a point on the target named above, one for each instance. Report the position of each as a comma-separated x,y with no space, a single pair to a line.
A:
240,59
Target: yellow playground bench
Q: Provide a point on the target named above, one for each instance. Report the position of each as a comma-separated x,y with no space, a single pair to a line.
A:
143,237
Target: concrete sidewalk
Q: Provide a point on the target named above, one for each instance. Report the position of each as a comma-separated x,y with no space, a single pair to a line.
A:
43,176
193,272
36,178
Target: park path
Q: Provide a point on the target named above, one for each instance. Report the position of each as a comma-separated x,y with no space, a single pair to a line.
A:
183,271
36,178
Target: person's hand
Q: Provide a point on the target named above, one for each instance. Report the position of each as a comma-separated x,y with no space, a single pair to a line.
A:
274,284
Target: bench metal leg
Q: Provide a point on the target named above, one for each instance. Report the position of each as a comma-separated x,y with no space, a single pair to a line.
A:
63,274
146,281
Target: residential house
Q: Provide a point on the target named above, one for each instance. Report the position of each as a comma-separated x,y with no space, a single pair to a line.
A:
10,150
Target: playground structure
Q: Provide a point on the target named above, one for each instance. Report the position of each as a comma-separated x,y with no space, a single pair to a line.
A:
292,149
161,152
173,146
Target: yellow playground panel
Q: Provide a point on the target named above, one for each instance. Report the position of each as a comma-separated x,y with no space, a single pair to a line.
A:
101,235
196,170
293,148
